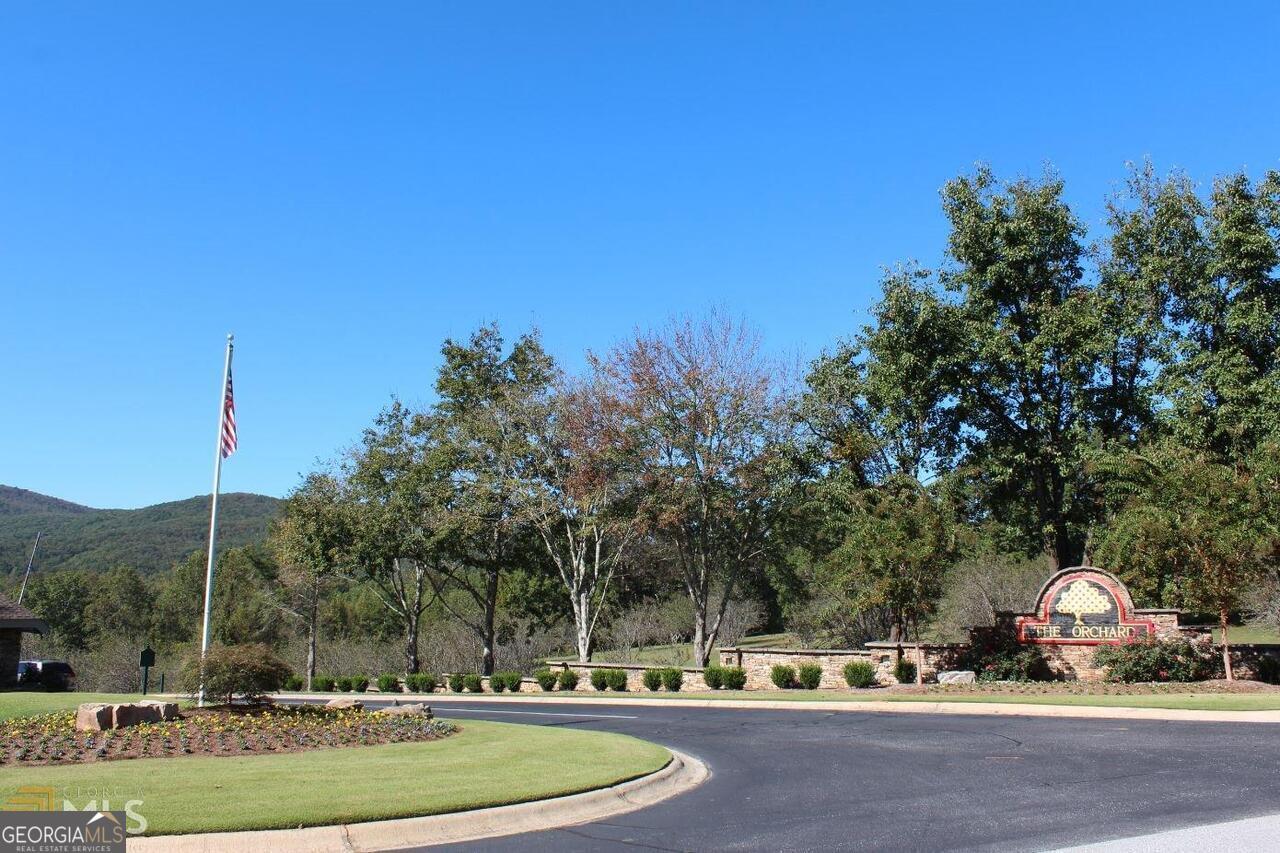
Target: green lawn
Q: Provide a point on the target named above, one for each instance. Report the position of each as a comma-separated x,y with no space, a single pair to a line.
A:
484,764
24,704
1247,634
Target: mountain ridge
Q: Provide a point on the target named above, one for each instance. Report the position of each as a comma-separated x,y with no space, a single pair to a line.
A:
150,539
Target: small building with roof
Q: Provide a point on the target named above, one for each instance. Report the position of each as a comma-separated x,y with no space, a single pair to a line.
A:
14,621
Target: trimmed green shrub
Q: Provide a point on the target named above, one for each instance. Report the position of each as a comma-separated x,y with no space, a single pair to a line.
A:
343,683
249,671
568,679
474,683
672,678
510,680
714,676
616,679
497,682
734,678
546,679
652,679
783,676
388,683
859,673
325,683
359,683
294,682
1158,660
457,681
600,679
810,676
905,671
423,682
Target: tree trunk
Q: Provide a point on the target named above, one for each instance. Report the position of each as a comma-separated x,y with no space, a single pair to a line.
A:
700,653
311,648
1226,646
582,614
411,662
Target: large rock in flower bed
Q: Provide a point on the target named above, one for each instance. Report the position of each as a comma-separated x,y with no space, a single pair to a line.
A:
957,676
168,710
100,716
344,703
409,710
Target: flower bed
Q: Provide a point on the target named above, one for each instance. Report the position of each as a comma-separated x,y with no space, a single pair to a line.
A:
53,739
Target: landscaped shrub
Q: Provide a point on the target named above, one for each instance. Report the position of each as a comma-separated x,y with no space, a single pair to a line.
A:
616,679
652,679
672,678
905,671
568,679
546,679
998,656
421,682
343,683
735,678
388,683
323,682
1174,659
859,673
249,671
783,675
714,676
457,682
510,680
359,683
600,679
473,683
294,682
497,682
810,676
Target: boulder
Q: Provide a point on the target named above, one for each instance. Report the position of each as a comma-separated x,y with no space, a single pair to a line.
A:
168,710
344,703
410,709
131,713
94,717
957,676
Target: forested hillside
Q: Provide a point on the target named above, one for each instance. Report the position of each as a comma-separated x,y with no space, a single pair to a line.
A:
149,539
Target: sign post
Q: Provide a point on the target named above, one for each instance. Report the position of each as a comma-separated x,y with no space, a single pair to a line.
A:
146,660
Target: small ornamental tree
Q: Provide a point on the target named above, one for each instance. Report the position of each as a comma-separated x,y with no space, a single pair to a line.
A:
249,672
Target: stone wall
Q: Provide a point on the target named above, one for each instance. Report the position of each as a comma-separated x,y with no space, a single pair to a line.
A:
10,653
758,663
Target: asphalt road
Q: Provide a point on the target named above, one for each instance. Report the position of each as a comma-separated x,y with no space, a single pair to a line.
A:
807,780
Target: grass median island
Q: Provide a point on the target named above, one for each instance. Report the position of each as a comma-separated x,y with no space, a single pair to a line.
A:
483,764
26,703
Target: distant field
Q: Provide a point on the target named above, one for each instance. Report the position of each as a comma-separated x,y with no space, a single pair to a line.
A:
1248,634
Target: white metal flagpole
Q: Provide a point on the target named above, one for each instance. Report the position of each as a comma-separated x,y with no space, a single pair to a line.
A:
213,512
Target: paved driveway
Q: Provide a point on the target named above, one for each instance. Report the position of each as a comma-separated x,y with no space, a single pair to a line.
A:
804,780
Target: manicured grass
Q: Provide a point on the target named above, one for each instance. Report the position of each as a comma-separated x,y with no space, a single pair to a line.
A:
1247,634
484,764
24,704
1188,701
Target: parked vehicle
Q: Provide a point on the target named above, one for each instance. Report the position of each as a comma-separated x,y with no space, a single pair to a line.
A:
46,674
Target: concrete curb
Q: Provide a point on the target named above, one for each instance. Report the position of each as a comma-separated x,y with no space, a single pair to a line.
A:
682,773
1001,709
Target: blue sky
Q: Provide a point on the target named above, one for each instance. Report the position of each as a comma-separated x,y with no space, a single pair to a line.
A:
345,185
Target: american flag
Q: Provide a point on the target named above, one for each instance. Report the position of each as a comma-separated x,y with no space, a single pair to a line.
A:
228,420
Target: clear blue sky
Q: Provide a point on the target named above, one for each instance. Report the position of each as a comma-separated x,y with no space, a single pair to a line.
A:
345,185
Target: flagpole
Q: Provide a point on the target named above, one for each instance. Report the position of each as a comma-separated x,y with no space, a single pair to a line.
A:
213,514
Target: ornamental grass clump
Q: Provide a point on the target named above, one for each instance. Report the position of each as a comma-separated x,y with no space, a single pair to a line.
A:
783,676
388,683
359,683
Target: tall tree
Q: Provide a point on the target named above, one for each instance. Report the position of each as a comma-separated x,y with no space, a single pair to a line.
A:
704,415
480,440
308,540
577,494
